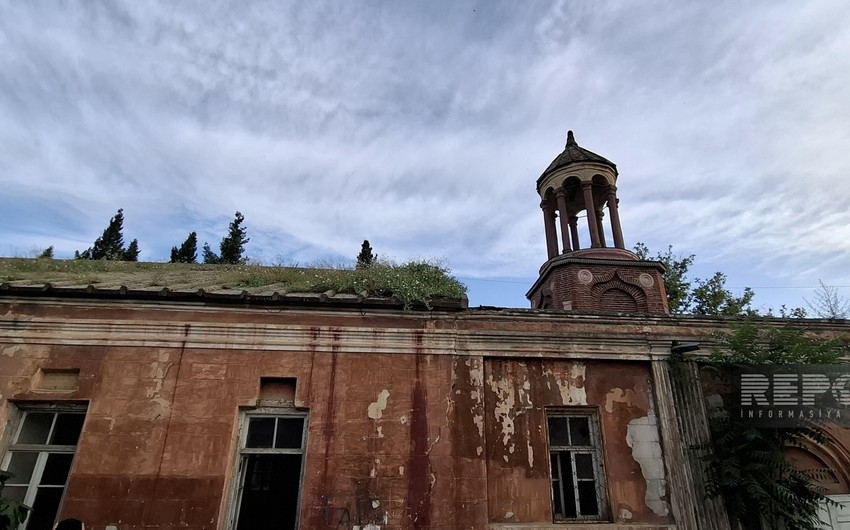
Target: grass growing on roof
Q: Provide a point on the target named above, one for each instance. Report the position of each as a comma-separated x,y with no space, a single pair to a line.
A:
410,282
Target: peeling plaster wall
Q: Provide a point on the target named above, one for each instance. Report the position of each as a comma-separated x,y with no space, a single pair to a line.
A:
419,436
517,394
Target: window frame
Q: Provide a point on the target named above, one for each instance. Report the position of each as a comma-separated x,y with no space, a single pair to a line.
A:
240,468
595,449
16,424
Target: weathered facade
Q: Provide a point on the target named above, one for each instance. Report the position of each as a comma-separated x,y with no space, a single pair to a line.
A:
129,409
414,420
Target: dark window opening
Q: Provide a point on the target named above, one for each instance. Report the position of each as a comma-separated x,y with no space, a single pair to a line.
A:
40,458
578,482
271,473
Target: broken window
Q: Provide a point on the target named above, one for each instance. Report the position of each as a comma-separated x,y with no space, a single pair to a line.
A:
270,472
578,481
40,458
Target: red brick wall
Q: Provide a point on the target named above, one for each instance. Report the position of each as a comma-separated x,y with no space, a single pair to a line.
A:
159,444
609,288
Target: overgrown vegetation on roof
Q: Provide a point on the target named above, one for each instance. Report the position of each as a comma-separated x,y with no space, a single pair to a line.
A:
411,282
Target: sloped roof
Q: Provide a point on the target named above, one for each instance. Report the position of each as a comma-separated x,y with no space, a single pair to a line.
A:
229,283
574,153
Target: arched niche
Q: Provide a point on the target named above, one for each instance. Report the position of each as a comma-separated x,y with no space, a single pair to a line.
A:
827,466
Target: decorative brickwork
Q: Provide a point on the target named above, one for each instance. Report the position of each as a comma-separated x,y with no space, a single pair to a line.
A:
600,285
601,278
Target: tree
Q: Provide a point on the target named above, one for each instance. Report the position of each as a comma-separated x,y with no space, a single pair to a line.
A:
233,245
709,296
12,513
110,245
188,251
828,303
747,464
210,257
675,275
366,257
132,252
47,254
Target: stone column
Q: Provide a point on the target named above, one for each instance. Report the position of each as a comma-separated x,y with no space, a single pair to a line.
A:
592,223
599,216
615,217
574,232
549,224
561,196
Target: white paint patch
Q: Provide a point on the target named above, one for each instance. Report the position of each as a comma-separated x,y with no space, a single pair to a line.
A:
479,450
478,420
376,409
11,350
401,471
572,387
380,432
375,504
530,454
642,437
509,515
625,515
618,395
403,420
504,409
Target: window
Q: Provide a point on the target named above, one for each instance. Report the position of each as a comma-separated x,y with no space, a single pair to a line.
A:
40,457
270,469
578,482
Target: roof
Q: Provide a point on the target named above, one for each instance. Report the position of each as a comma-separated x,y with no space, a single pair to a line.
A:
411,286
574,153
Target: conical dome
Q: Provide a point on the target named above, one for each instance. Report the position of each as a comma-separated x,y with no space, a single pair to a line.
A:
573,153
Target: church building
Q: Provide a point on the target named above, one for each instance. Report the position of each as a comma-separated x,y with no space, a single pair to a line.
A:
130,402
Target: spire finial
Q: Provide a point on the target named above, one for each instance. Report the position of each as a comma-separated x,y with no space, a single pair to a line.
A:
571,140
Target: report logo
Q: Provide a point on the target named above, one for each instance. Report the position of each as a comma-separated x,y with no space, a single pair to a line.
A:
792,395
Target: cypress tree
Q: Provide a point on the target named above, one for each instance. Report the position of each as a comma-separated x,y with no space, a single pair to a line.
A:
210,257
233,245
188,251
366,257
132,252
110,245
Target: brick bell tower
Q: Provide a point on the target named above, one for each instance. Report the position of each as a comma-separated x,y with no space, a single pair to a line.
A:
587,272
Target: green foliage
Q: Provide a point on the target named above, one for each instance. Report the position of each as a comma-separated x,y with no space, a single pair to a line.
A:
12,513
188,251
711,297
676,281
210,257
410,283
132,252
704,296
233,245
750,344
110,245
47,254
747,464
366,257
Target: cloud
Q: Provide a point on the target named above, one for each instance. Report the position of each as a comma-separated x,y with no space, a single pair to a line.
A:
424,127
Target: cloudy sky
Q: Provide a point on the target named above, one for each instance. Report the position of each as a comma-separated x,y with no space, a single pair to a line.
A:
423,127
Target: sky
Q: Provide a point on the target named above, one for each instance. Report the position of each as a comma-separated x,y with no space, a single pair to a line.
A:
423,126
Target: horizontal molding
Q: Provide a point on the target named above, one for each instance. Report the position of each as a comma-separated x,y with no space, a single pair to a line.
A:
296,338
